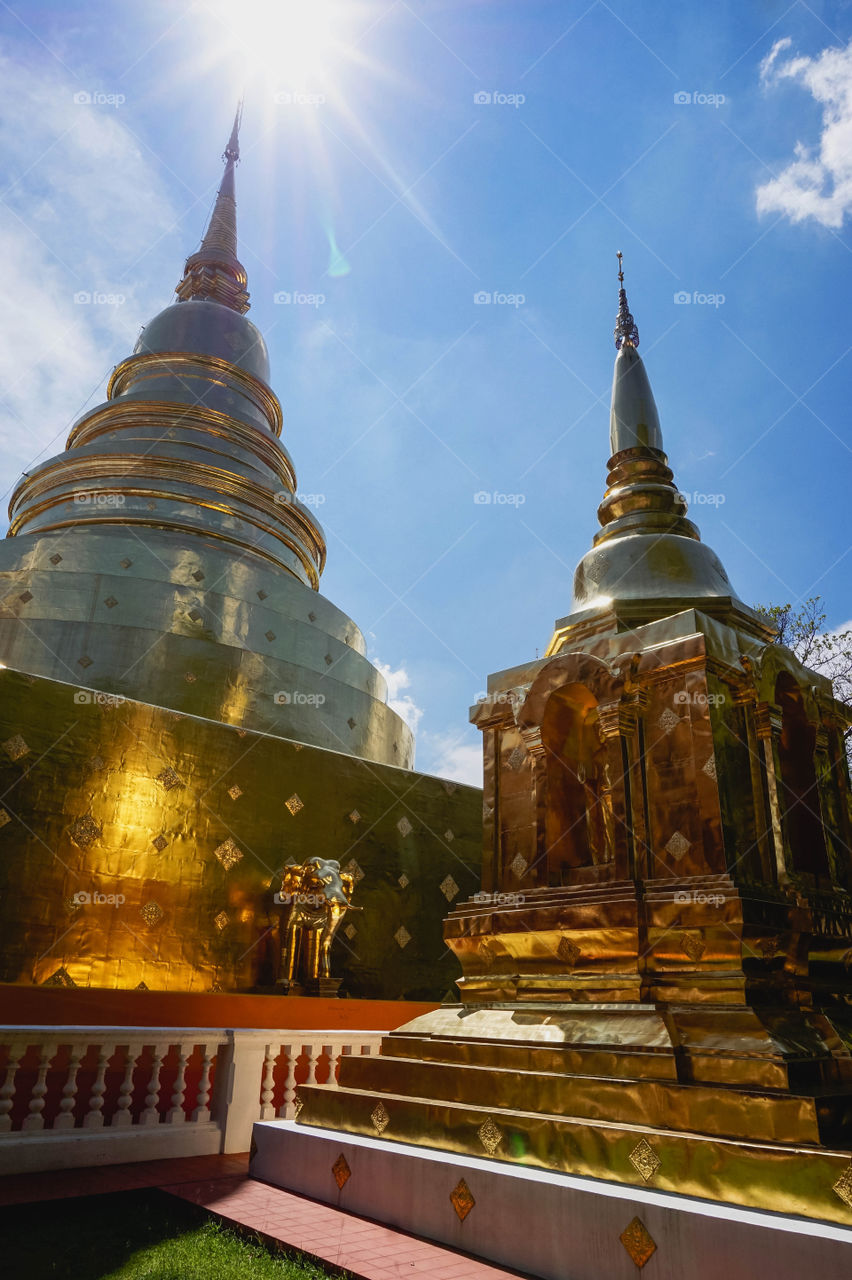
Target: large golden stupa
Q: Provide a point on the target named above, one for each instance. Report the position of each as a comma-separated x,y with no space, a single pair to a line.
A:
657,975
181,712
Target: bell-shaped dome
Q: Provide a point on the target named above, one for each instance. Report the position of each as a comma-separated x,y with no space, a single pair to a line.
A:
207,328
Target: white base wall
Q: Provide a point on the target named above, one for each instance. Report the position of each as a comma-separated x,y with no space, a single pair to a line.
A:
550,1225
80,1148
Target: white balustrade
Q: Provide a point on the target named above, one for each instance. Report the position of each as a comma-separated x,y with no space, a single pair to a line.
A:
236,1072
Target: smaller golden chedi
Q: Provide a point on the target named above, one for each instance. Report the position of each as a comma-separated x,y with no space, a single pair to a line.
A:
657,974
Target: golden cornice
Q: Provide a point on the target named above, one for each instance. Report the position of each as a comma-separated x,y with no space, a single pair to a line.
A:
167,526
266,398
194,473
116,415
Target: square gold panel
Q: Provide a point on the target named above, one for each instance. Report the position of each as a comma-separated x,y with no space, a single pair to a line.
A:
645,1160
228,853
490,1135
380,1118
15,747
462,1199
341,1171
638,1242
235,792
843,1185
294,804
159,843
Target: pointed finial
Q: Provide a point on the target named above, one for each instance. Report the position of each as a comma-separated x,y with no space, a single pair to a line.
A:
215,273
232,150
626,333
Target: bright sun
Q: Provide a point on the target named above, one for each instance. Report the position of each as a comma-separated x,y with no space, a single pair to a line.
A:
288,42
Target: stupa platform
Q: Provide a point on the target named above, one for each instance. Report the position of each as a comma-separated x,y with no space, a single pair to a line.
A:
550,1225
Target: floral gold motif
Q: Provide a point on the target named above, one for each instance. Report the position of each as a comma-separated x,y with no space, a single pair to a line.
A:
380,1118
490,1135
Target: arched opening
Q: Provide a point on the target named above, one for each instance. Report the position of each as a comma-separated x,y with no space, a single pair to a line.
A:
799,791
579,817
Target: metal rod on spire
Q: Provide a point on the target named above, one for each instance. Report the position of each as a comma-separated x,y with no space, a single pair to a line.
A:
626,332
232,150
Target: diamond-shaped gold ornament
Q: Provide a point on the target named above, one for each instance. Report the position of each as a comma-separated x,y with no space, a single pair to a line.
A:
151,913
668,720
518,866
645,1160
341,1171
843,1185
490,1135
354,817
168,778
461,1199
516,758
692,945
380,1118
221,921
350,931
16,747
404,827
294,804
449,888
638,1242
4,817
235,792
568,952
228,853
354,869
677,846
402,936
403,881
84,830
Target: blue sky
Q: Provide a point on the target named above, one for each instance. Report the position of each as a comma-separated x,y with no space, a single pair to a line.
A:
711,143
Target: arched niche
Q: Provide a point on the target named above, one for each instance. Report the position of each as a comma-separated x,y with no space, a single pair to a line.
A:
799,790
579,814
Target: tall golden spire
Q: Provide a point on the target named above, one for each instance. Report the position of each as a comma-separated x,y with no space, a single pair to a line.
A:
214,273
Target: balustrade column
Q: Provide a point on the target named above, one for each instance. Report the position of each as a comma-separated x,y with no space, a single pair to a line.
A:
201,1114
176,1113
122,1116
7,1093
151,1115
94,1118
34,1119
287,1110
65,1118
267,1110
308,1051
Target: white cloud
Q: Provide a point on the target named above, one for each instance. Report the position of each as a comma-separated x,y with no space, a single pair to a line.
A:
80,202
398,680
453,755
818,182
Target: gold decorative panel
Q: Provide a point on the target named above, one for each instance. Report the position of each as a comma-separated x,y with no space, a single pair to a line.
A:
677,846
294,804
638,1242
151,913
403,937
84,830
229,853
449,888
568,952
462,1199
404,827
169,779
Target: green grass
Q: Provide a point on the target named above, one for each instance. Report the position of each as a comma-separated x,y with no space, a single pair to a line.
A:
137,1235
